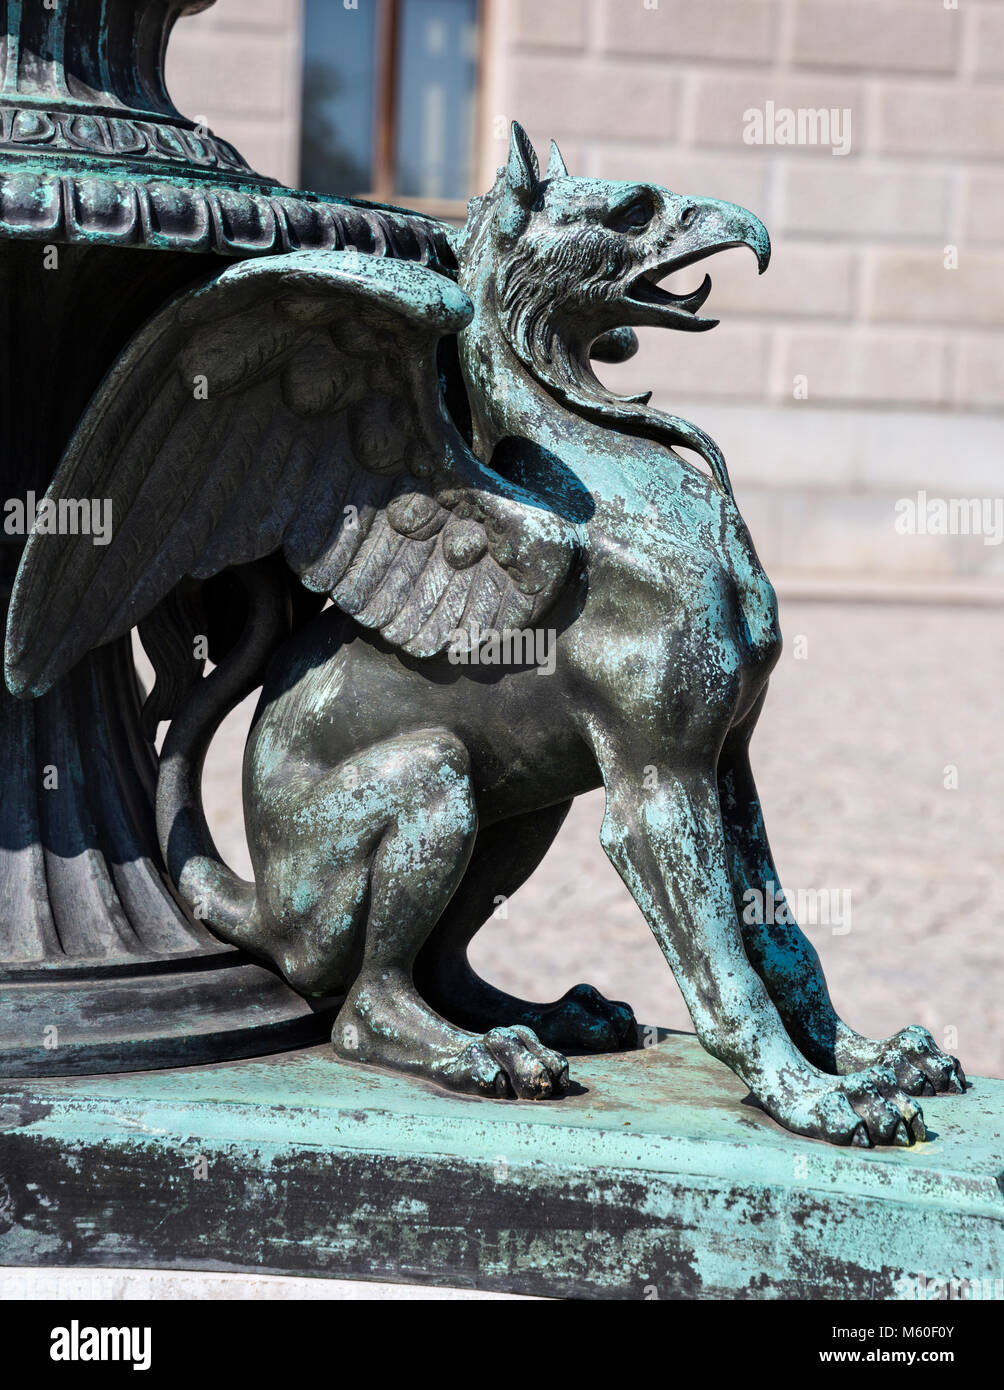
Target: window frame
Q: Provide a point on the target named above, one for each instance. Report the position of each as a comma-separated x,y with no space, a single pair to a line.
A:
385,114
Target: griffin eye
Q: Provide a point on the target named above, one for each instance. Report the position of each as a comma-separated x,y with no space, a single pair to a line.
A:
632,215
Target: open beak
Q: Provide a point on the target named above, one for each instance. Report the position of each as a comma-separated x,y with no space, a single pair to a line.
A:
703,226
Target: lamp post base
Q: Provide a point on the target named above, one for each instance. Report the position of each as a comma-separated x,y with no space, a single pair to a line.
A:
75,1021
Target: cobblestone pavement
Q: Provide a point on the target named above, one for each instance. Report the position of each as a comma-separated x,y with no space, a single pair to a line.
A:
866,720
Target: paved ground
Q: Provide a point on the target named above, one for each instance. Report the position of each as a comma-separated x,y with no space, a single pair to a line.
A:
851,758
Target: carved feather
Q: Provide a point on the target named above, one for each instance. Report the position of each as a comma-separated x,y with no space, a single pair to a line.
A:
282,405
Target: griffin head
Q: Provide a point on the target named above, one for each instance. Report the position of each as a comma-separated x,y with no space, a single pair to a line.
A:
571,265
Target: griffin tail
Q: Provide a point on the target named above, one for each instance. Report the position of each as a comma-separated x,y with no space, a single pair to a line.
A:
222,899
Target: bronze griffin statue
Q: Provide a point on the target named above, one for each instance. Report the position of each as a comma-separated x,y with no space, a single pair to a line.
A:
437,458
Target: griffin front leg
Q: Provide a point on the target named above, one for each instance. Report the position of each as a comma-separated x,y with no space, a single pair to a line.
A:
669,847
787,961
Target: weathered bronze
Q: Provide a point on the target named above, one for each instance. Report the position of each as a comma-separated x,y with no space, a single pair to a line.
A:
653,1180
438,458
533,593
111,202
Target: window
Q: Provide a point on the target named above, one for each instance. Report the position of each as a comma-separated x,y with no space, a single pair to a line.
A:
389,92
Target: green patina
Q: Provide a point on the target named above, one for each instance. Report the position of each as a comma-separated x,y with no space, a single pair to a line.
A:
439,455
657,1182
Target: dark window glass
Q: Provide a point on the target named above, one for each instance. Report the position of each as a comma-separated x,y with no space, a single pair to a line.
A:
339,77
437,72
409,64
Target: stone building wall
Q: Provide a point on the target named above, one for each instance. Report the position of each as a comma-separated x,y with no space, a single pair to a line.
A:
868,364
862,368
238,64
858,299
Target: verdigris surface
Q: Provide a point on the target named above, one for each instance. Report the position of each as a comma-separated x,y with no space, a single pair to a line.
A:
533,592
657,1180
111,202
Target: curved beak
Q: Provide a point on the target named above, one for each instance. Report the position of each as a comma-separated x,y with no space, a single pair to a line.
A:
715,226
697,228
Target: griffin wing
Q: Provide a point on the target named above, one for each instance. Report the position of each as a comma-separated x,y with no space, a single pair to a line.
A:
291,403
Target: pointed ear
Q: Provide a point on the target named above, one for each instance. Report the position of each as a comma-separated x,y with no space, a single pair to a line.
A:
555,165
522,172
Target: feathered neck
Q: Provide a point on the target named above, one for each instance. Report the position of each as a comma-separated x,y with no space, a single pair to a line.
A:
518,308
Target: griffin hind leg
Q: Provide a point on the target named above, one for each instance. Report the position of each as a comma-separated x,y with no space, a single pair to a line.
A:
505,855
379,847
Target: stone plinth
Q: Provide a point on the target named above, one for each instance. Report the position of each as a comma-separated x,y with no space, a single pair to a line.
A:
658,1178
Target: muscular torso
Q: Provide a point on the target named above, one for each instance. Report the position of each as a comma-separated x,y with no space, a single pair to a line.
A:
664,642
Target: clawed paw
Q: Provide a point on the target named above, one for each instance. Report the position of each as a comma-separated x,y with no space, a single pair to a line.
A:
510,1062
871,1108
584,1019
921,1067
864,1109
